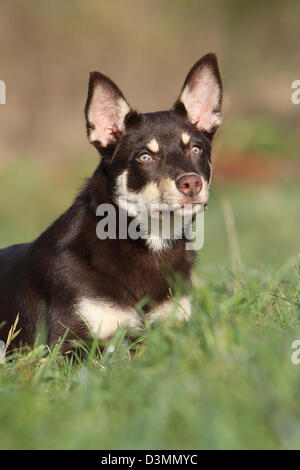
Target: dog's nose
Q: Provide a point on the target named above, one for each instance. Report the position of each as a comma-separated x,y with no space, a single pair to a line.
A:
189,185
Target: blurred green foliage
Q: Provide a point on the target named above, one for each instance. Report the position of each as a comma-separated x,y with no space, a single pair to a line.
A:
261,136
224,380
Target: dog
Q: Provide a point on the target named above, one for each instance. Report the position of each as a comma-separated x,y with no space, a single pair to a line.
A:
69,278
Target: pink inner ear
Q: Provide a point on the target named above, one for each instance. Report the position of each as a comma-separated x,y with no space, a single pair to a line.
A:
106,113
201,99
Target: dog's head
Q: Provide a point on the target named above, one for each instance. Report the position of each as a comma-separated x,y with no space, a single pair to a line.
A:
162,159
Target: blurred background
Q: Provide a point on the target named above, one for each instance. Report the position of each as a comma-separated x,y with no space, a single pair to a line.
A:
48,49
222,381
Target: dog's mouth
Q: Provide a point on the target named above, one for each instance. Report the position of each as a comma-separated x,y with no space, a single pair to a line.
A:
187,209
162,209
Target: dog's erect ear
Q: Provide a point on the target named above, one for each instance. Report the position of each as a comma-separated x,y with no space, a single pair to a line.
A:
201,95
105,111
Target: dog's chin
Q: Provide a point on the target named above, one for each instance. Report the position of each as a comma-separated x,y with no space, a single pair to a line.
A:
162,209
180,210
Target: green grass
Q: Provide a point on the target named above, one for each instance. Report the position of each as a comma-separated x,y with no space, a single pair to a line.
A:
261,135
224,380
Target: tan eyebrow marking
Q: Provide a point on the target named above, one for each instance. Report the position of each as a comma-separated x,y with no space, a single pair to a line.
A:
153,145
185,138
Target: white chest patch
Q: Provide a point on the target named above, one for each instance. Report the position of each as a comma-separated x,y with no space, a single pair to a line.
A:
180,311
104,318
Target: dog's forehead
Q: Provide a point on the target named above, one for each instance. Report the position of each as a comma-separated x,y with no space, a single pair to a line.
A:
164,125
162,128
160,119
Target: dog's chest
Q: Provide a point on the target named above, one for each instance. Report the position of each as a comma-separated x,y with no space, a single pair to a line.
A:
133,274
128,280
152,274
104,318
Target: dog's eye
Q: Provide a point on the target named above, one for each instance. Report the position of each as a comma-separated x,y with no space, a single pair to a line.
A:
196,150
144,158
